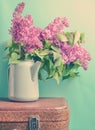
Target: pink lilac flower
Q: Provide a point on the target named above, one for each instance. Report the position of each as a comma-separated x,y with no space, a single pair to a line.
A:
19,9
20,28
65,22
16,29
31,40
29,49
54,28
24,32
30,46
45,34
75,53
55,41
28,21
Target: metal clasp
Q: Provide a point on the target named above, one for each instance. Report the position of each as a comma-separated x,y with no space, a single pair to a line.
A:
33,123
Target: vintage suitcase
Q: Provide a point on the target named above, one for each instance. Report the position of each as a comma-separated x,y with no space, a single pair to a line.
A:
44,114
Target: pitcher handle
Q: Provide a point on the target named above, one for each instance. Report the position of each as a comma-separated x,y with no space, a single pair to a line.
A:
34,70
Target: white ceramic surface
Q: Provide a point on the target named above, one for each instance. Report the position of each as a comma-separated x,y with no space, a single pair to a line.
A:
23,81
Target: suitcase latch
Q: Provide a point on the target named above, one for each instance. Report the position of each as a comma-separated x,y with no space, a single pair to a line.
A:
33,123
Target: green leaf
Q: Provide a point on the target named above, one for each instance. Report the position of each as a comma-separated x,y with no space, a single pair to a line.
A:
14,58
55,48
77,37
77,64
48,66
47,44
56,77
74,74
70,37
9,44
65,77
57,63
44,52
41,75
13,61
41,54
56,55
60,70
15,55
82,36
62,37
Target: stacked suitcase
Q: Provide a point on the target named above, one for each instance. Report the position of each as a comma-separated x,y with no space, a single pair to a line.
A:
44,114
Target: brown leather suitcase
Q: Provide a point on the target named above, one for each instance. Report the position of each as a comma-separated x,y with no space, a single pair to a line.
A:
43,114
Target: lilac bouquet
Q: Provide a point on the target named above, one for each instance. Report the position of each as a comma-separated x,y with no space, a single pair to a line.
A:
60,53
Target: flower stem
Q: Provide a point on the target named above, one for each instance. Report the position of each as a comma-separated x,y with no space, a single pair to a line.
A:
20,51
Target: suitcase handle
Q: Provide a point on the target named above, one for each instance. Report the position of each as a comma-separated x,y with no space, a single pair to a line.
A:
33,123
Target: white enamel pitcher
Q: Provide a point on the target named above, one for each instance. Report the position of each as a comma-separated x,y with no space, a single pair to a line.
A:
23,81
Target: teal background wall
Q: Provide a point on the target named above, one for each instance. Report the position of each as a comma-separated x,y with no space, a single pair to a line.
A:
79,92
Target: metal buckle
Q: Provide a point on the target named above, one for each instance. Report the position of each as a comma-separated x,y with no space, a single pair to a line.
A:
33,123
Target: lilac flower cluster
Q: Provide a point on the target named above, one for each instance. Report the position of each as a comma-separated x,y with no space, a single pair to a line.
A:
69,53
54,28
23,30
19,9
75,53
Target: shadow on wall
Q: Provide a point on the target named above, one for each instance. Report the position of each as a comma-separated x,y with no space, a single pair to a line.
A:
3,71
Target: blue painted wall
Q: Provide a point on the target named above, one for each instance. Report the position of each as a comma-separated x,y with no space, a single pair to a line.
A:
79,92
